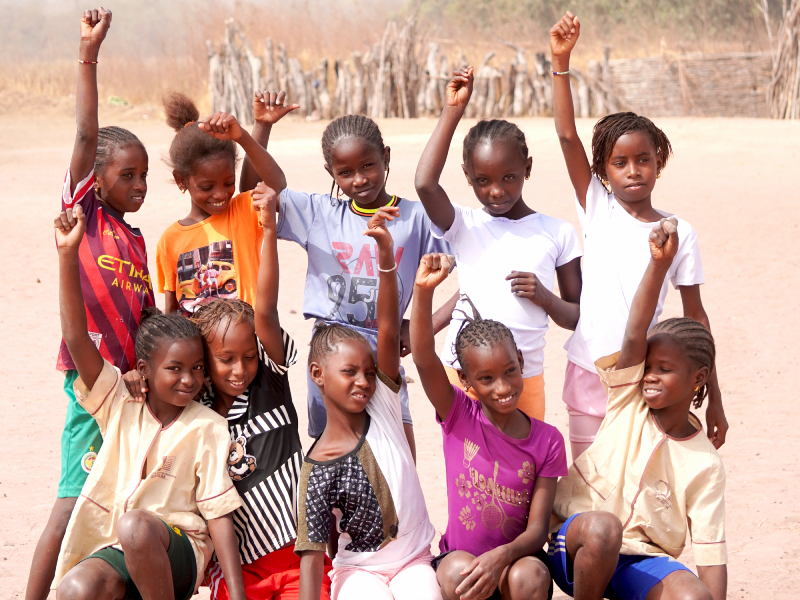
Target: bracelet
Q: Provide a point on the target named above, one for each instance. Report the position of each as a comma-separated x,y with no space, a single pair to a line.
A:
561,72
88,62
394,268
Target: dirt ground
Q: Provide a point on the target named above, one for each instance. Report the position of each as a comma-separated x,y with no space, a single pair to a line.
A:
732,179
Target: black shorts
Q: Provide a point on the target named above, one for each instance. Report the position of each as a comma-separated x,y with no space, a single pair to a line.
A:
181,561
541,555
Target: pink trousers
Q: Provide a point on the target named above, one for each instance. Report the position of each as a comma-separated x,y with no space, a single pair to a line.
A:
416,580
586,401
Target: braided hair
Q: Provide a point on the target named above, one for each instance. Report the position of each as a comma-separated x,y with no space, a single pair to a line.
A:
612,127
476,331
191,145
494,130
697,344
109,140
156,328
357,126
210,315
327,337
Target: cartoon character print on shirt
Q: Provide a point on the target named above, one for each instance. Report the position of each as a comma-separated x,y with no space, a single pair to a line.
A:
240,464
363,275
205,274
488,497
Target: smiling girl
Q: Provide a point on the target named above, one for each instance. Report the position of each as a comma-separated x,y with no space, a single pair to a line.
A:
214,251
508,254
342,280
616,212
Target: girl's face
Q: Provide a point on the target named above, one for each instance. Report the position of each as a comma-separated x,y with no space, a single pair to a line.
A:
497,173
359,169
495,373
232,357
175,371
348,376
669,377
633,167
123,184
212,185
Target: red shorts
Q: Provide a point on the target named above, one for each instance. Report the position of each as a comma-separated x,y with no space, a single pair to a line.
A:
275,576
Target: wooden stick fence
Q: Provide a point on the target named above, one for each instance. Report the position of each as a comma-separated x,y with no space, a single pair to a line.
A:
404,75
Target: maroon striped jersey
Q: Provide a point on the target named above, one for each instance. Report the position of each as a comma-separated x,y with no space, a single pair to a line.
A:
115,280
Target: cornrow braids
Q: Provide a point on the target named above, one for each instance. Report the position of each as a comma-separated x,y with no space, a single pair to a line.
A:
109,140
697,343
476,331
612,127
156,328
494,130
357,126
191,145
327,337
210,315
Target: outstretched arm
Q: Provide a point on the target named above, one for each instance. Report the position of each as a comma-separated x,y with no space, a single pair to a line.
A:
563,37
268,325
388,310
70,227
224,126
268,108
663,247
431,163
433,269
94,26
226,545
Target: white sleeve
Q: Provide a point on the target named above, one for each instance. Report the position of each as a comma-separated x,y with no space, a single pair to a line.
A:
569,246
69,198
596,199
385,402
458,222
688,264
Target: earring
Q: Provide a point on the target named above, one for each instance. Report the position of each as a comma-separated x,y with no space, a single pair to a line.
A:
183,190
97,191
659,175
604,182
527,177
697,389
385,179
469,183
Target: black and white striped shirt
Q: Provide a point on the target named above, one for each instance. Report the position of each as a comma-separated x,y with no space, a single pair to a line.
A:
265,458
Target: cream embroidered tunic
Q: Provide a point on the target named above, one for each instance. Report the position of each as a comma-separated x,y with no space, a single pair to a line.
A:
186,481
658,486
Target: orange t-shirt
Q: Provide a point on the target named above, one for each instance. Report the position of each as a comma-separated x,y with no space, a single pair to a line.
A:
215,258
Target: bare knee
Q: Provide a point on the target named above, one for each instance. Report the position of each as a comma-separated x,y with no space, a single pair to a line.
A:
528,579
601,532
74,587
448,573
136,530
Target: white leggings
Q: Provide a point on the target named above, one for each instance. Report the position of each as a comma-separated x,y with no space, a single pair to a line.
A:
416,580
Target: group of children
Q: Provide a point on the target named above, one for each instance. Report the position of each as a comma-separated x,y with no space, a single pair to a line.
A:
181,458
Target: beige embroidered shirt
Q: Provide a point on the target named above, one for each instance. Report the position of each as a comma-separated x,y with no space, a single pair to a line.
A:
184,464
659,487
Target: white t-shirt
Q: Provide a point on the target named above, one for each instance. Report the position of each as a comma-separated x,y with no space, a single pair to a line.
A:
487,249
616,256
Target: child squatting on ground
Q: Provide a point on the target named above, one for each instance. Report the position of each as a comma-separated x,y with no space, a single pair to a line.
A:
501,465
615,209
107,177
650,470
359,476
159,488
508,255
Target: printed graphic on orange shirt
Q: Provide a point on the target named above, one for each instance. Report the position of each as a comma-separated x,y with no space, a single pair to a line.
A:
165,469
205,274
661,492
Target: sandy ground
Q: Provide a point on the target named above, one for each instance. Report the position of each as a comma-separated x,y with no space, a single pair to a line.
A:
732,179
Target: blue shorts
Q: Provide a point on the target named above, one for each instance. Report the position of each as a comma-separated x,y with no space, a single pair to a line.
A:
634,578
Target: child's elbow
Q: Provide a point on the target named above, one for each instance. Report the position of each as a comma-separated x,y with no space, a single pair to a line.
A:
424,185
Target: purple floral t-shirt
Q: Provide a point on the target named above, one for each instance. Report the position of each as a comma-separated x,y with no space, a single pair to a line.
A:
490,476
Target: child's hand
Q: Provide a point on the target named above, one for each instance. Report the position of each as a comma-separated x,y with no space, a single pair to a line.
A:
564,35
664,240
136,384
376,227
222,126
268,107
94,26
527,285
70,226
265,203
459,89
433,270
483,575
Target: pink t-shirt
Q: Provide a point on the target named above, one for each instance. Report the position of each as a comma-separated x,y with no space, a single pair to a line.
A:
490,476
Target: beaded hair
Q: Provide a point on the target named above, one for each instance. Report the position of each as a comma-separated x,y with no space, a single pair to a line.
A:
156,328
612,127
491,131
357,126
210,315
476,331
327,337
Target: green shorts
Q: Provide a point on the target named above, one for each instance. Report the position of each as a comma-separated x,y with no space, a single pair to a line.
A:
80,443
181,561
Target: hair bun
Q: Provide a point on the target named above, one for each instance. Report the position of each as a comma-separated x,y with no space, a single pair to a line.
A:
179,110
